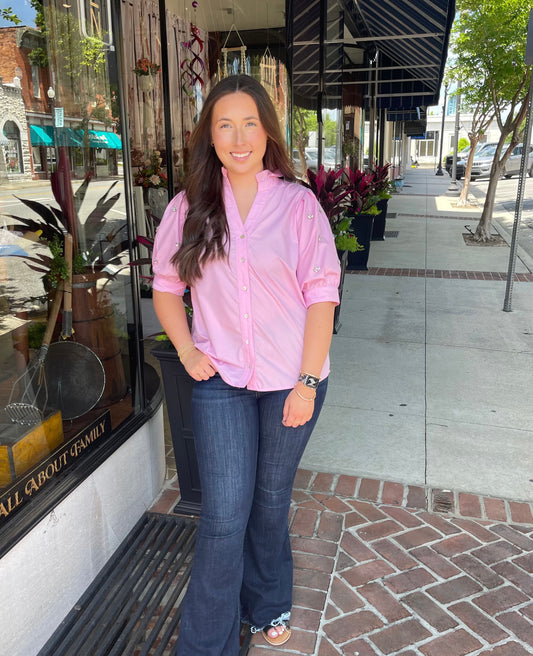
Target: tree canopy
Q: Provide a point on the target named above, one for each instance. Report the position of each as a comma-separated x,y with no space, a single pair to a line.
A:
488,45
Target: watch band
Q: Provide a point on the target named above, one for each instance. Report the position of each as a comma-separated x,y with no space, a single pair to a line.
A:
308,380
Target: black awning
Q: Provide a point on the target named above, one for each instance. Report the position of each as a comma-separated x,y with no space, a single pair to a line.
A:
304,60
411,37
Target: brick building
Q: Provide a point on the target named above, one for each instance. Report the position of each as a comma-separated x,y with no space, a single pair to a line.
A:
23,102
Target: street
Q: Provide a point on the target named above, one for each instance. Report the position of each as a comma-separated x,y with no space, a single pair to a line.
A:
504,210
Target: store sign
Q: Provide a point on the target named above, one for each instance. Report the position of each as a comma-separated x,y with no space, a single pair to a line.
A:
95,19
59,117
25,487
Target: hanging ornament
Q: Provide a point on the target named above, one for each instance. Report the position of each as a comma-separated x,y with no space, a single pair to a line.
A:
193,66
238,64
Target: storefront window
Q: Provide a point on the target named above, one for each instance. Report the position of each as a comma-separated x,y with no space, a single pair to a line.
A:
62,182
59,402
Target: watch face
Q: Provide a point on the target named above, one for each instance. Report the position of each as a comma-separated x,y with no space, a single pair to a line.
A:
309,381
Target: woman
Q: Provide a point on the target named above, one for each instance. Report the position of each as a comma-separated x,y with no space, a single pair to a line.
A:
259,257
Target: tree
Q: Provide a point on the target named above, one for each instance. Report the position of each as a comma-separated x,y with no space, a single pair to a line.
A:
489,47
7,13
300,134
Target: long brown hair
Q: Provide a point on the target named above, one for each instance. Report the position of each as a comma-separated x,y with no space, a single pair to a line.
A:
206,232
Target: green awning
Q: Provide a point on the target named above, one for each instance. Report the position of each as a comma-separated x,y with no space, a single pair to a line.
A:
113,140
42,135
68,137
101,139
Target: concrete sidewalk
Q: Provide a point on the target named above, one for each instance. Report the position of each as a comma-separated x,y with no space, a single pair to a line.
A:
412,521
431,382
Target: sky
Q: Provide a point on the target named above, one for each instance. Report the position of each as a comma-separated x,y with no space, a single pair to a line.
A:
22,9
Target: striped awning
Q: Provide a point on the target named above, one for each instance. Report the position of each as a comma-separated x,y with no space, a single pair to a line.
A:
44,135
41,135
410,37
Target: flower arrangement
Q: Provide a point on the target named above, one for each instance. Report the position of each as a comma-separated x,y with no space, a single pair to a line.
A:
144,66
151,174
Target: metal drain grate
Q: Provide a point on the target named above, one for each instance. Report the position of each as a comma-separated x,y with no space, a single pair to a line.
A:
134,605
391,234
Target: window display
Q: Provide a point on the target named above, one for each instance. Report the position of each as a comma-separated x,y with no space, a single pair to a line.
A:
65,284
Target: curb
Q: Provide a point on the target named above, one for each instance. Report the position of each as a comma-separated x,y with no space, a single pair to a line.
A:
454,503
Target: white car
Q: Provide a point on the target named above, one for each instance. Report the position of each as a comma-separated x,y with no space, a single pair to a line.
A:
512,166
482,163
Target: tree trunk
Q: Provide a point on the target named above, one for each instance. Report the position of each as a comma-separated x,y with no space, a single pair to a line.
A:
463,198
484,226
483,229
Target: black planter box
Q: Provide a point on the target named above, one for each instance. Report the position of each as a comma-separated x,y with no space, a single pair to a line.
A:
361,227
178,387
378,227
343,257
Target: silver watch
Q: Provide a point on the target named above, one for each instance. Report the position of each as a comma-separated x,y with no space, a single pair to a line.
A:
309,381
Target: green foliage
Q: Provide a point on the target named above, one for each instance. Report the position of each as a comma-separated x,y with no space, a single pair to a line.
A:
36,330
463,143
58,265
488,43
93,53
38,57
344,239
39,16
305,121
7,13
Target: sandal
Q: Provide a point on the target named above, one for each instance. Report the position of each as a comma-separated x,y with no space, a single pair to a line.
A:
279,639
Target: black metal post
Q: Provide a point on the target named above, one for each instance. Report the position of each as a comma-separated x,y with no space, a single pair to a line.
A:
166,97
441,139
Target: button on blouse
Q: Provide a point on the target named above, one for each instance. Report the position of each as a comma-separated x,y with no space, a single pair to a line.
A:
250,309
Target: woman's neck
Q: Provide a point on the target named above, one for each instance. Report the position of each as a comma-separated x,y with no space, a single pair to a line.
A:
244,191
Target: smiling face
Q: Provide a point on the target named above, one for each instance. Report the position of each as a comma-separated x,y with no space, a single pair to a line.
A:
238,135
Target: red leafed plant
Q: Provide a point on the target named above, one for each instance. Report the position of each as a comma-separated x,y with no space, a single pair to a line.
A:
362,191
331,194
382,184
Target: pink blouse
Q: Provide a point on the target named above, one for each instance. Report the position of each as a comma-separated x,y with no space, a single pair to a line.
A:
250,310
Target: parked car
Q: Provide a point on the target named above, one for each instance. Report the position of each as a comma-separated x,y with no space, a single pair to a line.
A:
461,155
311,155
462,158
297,162
512,166
482,163
329,157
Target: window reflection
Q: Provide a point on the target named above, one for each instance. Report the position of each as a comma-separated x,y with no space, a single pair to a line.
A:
62,183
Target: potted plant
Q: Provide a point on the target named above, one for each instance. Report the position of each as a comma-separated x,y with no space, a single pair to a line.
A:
95,249
178,386
384,189
362,209
332,192
152,178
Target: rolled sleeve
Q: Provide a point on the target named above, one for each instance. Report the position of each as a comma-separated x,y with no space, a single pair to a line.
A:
318,263
166,243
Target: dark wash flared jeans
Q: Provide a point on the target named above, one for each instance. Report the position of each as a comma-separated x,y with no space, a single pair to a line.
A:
242,570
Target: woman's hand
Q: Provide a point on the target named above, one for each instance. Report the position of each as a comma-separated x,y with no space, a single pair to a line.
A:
198,365
297,411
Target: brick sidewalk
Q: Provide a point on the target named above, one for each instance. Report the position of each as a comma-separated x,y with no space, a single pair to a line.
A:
377,573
